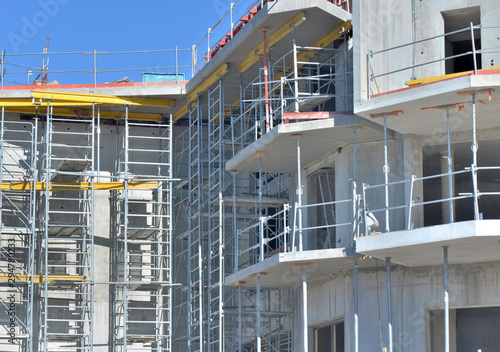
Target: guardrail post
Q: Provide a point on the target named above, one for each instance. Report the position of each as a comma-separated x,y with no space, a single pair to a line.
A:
473,47
355,224
193,60
410,203
176,65
285,229
368,76
208,44
282,98
3,59
294,226
95,68
364,208
476,196
232,7
261,238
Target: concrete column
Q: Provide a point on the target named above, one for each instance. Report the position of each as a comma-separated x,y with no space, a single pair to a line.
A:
447,166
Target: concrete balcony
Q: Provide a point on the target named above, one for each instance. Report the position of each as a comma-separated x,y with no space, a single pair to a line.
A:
474,241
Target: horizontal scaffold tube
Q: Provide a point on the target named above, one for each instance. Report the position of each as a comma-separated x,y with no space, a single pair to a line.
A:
75,186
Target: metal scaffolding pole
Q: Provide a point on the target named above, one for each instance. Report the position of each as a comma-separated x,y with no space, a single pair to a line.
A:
446,302
304,311
356,306
299,194
48,126
257,314
266,80
474,149
125,231
386,177
389,303
295,74
240,317
450,164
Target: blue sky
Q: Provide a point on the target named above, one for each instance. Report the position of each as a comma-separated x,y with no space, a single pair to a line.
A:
85,25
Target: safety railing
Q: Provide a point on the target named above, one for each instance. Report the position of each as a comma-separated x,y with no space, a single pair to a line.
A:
297,85
96,67
270,235
411,202
284,231
329,223
373,55
231,23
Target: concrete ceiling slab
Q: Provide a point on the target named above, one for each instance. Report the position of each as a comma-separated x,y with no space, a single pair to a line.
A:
418,104
285,269
323,18
319,138
467,242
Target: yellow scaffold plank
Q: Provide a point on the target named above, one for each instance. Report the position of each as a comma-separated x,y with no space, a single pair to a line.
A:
40,279
76,186
179,113
100,99
58,111
327,39
417,82
199,90
281,33
208,82
29,102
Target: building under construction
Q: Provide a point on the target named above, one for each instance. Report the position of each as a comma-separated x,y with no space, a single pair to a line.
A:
315,175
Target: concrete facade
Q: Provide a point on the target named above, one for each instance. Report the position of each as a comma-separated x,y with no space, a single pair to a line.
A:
313,202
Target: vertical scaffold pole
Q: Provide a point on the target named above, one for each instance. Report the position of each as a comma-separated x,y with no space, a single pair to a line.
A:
299,194
356,307
261,218
446,302
386,177
304,310
240,317
125,230
474,149
389,302
48,126
450,163
295,73
266,80
31,330
257,314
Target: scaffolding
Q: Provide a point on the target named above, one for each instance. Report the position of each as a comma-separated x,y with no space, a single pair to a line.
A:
18,286
67,245
143,263
48,217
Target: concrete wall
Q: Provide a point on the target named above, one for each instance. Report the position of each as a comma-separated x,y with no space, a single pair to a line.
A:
382,25
416,292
